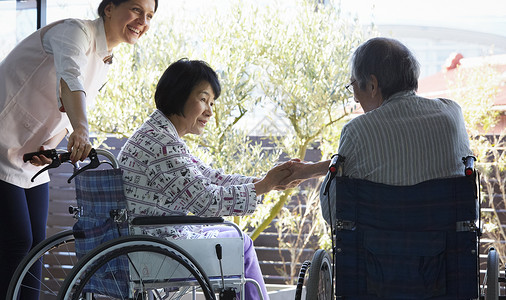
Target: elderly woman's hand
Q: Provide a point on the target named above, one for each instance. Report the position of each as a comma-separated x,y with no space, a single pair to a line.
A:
301,171
274,177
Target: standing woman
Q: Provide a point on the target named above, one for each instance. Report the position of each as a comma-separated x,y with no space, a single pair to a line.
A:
45,82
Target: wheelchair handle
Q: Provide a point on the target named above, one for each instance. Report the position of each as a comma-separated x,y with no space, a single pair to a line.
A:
469,164
65,156
336,164
60,157
47,153
335,168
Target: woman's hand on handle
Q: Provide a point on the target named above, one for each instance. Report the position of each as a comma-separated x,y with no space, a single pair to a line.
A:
40,160
79,145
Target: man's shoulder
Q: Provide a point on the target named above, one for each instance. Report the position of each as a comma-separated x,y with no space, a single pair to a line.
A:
447,101
443,105
364,119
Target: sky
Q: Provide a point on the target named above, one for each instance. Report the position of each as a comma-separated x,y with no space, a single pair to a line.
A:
484,16
487,16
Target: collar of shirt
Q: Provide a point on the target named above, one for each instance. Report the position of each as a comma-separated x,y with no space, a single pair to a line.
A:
164,123
101,41
397,96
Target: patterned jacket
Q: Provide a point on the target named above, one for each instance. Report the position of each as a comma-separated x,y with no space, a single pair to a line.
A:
161,177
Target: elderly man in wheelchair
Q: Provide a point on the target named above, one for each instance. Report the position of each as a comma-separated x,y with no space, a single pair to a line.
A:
402,206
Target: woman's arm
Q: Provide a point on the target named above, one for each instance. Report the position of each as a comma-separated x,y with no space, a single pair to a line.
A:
218,177
69,42
74,103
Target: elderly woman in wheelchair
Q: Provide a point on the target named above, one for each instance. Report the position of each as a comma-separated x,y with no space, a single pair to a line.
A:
151,228
162,177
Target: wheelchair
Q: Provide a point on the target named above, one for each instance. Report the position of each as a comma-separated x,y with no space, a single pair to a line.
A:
106,257
400,242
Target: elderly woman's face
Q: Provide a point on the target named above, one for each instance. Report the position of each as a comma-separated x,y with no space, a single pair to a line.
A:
197,110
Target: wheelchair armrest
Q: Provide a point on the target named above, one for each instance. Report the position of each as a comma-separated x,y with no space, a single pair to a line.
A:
161,220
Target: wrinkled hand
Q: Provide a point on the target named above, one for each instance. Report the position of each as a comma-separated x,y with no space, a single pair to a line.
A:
273,177
298,175
40,160
290,174
79,144
290,181
278,173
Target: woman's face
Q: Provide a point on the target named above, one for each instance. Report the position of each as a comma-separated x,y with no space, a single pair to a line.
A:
197,110
128,21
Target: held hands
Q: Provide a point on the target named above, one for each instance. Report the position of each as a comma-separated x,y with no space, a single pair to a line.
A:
283,176
299,172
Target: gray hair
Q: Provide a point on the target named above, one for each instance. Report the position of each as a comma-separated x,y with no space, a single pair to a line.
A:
390,61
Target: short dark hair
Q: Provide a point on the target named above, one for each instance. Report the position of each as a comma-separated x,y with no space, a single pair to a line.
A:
390,61
179,80
104,3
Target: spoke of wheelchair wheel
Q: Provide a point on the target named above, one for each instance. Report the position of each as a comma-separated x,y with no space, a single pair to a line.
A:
104,288
45,289
116,281
177,294
58,263
51,274
161,265
48,291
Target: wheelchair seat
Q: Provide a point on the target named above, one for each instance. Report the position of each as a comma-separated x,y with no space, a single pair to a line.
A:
103,220
405,242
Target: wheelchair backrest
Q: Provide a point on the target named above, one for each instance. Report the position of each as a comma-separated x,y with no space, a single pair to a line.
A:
406,242
102,217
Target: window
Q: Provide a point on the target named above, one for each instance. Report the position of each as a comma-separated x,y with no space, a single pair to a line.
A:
25,16
21,19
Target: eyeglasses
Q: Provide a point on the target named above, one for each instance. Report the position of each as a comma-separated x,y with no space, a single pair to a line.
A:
349,86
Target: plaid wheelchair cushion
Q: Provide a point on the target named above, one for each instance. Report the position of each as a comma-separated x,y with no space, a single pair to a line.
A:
99,192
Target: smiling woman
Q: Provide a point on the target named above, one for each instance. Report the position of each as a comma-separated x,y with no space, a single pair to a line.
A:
162,177
126,23
64,72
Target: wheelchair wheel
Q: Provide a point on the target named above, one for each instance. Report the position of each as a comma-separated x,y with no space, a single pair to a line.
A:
319,283
492,275
300,281
56,254
136,267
